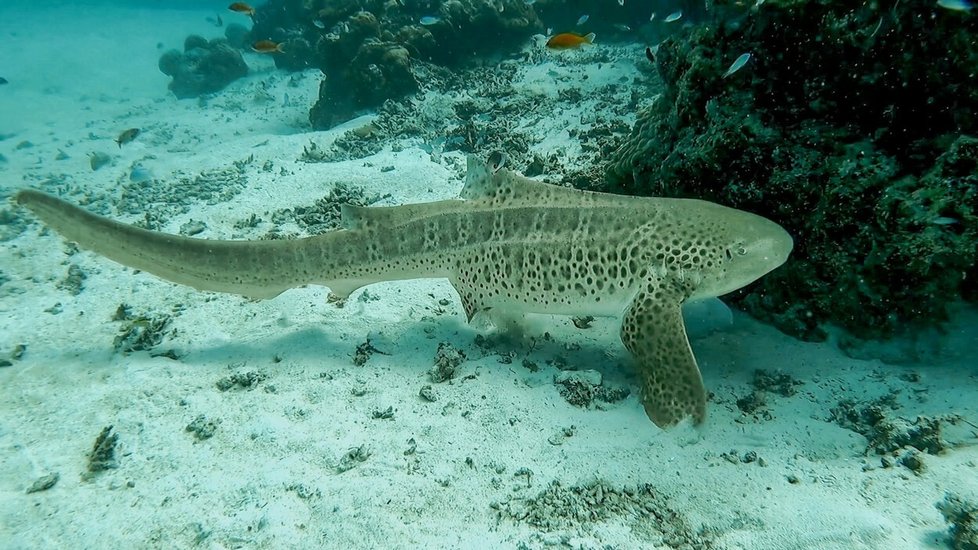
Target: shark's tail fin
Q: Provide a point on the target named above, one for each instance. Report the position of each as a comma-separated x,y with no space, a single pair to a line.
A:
256,269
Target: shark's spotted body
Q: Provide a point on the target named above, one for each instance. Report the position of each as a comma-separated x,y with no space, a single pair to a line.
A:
510,245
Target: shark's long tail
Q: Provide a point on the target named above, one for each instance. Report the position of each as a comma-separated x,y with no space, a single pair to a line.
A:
257,269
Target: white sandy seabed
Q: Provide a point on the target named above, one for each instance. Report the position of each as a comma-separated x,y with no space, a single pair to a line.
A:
464,471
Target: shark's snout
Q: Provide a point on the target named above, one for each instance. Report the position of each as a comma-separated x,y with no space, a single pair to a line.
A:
778,244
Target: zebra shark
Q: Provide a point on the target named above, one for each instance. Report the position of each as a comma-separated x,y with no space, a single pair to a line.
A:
509,245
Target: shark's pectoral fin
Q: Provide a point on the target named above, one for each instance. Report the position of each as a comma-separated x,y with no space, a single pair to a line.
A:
652,330
472,303
342,288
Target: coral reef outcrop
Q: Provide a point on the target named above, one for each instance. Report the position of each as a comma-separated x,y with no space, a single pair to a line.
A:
367,48
380,71
204,67
855,127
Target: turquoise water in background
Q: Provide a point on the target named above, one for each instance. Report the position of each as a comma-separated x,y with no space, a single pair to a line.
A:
71,49
75,74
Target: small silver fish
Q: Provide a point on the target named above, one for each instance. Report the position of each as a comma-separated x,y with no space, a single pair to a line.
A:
496,161
652,17
955,5
674,16
944,220
582,19
737,64
622,27
621,2
429,20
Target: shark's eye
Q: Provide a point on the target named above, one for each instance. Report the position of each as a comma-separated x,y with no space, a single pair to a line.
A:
741,251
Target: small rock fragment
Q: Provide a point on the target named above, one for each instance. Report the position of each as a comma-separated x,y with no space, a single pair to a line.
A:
447,360
352,458
363,353
241,380
74,281
43,483
428,393
584,388
202,428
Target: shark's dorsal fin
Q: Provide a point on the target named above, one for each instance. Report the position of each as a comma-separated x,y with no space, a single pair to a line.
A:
504,187
479,182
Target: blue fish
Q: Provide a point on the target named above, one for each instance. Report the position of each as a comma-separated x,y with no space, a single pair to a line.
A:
429,20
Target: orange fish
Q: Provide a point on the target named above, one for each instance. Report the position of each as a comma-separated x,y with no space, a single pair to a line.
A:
267,46
241,7
568,40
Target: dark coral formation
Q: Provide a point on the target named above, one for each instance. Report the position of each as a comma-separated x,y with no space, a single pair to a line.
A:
366,48
962,514
853,127
379,71
204,67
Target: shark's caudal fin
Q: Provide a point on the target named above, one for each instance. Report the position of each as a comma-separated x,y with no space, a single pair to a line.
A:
256,269
652,330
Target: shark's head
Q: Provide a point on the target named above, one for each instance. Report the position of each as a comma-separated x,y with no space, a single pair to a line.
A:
747,246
